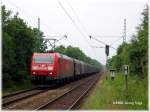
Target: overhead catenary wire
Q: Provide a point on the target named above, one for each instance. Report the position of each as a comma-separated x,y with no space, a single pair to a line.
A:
101,42
72,20
97,46
74,23
81,24
85,28
118,39
114,42
107,36
77,17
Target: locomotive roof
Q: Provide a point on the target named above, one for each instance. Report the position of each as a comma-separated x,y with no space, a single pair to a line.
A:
43,53
62,55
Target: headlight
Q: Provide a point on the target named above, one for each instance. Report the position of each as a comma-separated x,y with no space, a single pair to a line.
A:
34,68
50,68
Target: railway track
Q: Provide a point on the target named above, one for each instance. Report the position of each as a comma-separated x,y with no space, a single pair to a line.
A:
49,98
12,98
71,98
18,92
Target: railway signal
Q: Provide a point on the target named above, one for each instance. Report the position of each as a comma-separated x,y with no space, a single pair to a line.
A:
112,74
126,69
107,50
126,72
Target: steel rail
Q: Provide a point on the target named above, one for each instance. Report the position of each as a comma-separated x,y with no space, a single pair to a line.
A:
19,92
22,98
57,98
84,93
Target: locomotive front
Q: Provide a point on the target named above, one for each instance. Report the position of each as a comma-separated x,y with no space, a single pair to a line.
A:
43,67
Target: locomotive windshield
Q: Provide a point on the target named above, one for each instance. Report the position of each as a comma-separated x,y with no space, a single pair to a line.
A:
44,59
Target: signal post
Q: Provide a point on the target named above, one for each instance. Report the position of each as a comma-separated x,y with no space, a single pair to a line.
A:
107,54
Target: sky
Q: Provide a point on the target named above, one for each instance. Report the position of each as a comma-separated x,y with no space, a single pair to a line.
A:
102,19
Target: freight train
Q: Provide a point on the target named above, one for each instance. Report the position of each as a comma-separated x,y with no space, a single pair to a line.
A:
54,67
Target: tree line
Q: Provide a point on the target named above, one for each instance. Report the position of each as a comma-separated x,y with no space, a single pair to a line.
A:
19,42
134,53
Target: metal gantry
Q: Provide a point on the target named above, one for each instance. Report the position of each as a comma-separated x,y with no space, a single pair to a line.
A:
52,41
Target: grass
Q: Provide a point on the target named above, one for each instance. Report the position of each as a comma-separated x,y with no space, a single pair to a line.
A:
110,95
17,87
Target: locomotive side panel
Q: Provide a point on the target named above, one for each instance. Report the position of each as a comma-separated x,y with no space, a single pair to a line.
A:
66,67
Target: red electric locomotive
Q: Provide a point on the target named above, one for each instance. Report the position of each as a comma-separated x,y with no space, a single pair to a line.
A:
55,67
48,67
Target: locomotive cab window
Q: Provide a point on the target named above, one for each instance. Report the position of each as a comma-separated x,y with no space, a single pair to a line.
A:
44,59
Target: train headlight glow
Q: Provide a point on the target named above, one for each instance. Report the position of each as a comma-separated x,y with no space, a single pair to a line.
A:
34,67
50,68
50,73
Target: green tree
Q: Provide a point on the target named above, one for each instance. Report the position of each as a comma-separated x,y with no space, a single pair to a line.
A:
19,41
139,47
61,49
8,60
134,53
